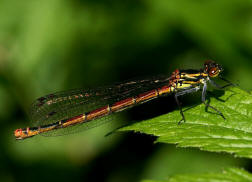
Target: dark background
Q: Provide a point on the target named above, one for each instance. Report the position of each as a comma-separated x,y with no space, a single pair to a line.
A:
48,46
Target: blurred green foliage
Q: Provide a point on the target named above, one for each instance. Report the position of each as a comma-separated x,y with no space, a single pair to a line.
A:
230,175
48,46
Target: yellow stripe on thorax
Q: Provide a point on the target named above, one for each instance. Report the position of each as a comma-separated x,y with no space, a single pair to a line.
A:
193,75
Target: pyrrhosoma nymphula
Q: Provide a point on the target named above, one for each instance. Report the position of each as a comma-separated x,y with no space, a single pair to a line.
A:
82,109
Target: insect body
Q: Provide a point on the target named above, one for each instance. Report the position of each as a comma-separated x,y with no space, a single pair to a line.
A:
82,108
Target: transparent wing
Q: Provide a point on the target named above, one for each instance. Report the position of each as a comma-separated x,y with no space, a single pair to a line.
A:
64,105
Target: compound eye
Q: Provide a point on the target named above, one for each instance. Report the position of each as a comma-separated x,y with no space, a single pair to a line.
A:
213,72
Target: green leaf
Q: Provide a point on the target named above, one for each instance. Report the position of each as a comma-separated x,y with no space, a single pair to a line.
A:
207,130
229,175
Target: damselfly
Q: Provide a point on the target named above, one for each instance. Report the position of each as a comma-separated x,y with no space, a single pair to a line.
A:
82,109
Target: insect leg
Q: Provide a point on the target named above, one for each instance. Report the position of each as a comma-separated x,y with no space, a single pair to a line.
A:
203,98
219,86
191,90
180,109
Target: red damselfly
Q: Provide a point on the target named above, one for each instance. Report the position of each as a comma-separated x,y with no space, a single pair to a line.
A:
82,109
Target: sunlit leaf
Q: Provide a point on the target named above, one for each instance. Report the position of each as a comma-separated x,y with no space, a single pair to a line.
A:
207,130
